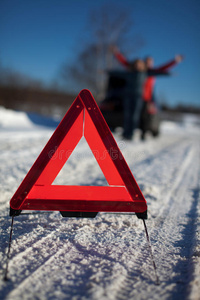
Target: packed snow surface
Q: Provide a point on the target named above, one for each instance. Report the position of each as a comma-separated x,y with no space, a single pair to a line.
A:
107,257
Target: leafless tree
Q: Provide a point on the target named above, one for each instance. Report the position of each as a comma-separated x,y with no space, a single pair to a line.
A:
110,25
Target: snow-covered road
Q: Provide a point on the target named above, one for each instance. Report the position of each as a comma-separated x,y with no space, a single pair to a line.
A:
106,257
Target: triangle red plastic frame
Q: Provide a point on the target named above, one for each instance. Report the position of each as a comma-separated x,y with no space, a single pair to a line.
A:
122,194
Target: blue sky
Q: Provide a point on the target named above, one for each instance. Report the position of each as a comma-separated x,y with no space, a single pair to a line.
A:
36,37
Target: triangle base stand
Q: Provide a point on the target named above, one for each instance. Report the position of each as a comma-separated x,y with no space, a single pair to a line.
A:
78,214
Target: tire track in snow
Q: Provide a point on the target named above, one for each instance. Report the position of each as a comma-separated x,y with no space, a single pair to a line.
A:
33,243
171,246
142,260
149,150
145,166
39,273
25,265
78,257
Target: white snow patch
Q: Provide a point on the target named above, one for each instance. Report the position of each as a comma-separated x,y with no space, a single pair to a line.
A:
106,257
13,119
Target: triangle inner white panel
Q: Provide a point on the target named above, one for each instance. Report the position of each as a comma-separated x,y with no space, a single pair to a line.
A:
81,168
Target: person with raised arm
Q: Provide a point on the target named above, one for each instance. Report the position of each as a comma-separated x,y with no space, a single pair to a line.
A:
143,87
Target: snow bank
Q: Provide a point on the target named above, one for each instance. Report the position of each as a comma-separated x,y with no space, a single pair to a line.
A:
189,124
13,119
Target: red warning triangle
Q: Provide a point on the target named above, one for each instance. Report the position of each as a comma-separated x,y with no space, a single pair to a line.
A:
37,192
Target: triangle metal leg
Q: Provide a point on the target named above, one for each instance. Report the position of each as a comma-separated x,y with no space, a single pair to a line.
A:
151,252
8,253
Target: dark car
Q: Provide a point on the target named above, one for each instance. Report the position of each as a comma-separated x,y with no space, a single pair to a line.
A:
112,106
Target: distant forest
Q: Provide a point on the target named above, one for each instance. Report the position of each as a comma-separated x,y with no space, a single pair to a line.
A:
32,99
51,101
20,92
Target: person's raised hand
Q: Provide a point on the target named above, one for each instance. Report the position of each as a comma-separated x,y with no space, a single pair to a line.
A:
179,58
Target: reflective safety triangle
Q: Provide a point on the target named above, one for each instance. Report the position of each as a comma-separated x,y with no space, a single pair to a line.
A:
122,194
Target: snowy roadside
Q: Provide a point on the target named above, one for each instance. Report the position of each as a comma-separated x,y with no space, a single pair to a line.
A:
108,257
